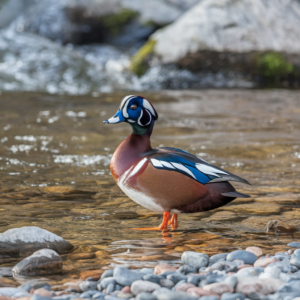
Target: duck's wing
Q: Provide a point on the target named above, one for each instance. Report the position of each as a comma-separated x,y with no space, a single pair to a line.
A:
172,159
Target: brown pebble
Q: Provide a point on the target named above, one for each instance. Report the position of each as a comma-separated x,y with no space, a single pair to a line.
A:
126,289
199,292
264,261
43,292
244,266
218,288
8,298
183,287
59,293
164,267
255,250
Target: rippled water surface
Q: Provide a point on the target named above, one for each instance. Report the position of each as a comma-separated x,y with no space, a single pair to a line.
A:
54,166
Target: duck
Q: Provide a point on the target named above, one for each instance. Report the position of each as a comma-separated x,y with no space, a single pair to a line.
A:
165,180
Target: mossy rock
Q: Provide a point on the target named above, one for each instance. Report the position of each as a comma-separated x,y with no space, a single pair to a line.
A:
139,63
273,66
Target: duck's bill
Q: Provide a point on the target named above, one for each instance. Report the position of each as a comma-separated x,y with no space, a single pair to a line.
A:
117,118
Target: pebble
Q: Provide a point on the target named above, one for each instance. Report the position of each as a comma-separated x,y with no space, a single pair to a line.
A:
231,280
195,259
164,267
106,281
187,269
89,294
195,279
248,272
218,288
110,288
209,298
214,258
126,289
199,292
153,278
145,296
166,283
245,256
98,295
175,296
255,250
283,265
212,278
293,286
124,276
183,287
141,286
125,295
233,296
88,285
224,266
264,261
295,258
176,277
294,244
43,292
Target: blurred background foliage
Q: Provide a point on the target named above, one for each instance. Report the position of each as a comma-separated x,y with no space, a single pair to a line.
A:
92,46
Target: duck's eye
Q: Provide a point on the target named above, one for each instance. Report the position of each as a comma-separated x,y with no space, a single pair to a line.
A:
133,107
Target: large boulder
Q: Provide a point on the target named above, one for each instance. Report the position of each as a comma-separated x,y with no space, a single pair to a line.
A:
25,240
235,35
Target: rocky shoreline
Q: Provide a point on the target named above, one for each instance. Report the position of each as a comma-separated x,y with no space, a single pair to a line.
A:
236,275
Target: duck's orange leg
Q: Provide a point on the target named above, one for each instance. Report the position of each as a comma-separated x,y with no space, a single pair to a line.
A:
174,222
162,226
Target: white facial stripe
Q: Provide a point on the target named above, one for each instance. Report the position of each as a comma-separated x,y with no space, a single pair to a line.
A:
125,99
142,116
113,120
130,121
124,110
209,170
184,169
156,163
167,164
138,167
147,105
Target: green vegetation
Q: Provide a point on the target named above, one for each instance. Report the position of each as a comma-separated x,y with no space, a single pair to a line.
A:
139,64
114,23
273,66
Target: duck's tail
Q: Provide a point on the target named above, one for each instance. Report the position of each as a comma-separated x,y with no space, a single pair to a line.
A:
236,194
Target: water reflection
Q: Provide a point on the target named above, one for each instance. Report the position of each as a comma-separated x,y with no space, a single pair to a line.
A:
54,167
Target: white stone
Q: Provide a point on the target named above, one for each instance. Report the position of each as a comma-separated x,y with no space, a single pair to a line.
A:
141,286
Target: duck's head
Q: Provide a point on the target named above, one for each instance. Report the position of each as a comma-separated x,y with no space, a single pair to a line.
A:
138,112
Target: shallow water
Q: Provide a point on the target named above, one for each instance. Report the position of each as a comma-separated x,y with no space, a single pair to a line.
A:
54,166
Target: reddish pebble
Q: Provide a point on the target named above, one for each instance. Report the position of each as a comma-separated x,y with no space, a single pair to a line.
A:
21,298
161,268
126,289
7,298
255,250
244,266
59,293
43,292
199,292
185,286
218,288
264,261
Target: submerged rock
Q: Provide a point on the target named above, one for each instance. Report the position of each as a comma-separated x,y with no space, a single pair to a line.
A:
195,259
42,262
25,240
279,226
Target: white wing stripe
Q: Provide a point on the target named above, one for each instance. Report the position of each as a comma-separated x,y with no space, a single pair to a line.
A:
184,169
167,164
138,167
209,170
156,163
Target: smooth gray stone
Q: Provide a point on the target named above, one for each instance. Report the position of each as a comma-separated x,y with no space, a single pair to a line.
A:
147,270
276,296
233,296
106,281
294,244
145,296
88,285
195,259
212,278
125,277
294,269
107,273
202,283
89,294
39,285
26,286
283,265
195,279
187,269
231,280
153,278
176,277
256,296
166,283
224,266
209,298
38,297
178,284
161,291
175,296
165,274
289,287
295,258
21,294
110,288
251,271
89,279
247,257
118,287
98,295
109,297
10,291
213,259
65,297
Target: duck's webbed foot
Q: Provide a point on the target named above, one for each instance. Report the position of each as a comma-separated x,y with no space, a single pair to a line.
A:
174,222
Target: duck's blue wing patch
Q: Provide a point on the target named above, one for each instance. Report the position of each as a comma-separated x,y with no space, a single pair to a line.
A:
172,159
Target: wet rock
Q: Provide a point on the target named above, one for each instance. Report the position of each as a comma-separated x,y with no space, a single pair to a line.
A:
264,261
247,257
166,283
88,286
42,262
164,267
26,240
294,244
141,286
145,296
295,258
195,259
255,250
257,285
218,288
279,226
124,276
232,296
